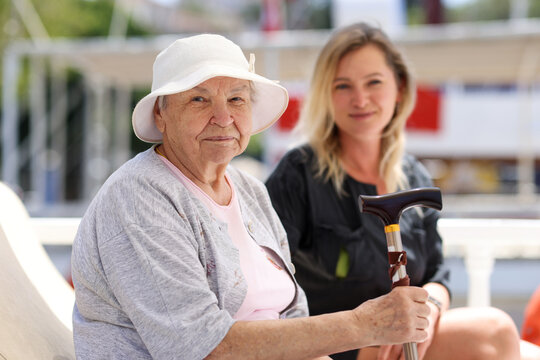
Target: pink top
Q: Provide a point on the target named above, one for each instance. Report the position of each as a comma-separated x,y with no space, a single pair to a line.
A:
269,287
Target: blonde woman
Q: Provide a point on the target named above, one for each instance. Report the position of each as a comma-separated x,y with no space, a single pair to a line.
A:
353,119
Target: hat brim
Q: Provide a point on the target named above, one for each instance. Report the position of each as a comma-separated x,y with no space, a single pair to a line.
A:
270,101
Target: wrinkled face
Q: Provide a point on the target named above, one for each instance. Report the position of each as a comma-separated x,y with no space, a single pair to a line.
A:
364,93
210,123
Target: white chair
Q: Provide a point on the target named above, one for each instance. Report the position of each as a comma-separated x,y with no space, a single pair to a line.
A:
35,300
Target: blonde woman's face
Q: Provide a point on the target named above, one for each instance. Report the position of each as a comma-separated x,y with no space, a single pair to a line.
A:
364,93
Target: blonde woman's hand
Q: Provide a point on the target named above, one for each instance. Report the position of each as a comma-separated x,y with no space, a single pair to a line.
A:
433,322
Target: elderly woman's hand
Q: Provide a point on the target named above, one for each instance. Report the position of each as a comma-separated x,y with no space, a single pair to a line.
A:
398,317
395,352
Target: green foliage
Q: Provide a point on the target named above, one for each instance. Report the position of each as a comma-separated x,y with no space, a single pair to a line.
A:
255,146
66,18
320,15
69,18
194,7
534,9
4,12
480,10
251,13
477,10
415,15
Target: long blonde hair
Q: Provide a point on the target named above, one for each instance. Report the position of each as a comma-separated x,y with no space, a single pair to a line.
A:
316,121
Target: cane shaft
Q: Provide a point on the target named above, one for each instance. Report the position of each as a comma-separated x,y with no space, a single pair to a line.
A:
394,244
410,351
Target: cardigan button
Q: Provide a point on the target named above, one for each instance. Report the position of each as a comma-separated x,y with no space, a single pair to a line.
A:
293,268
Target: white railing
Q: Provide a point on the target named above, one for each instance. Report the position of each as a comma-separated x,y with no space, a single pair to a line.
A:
478,241
55,231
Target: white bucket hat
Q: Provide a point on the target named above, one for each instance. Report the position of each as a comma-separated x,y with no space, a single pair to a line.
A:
190,61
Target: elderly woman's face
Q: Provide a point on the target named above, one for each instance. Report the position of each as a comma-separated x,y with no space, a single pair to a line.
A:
210,123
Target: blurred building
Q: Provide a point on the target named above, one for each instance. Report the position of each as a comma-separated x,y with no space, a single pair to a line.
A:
391,15
476,126
185,16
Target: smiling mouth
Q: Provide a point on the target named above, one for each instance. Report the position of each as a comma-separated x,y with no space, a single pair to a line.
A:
361,115
220,138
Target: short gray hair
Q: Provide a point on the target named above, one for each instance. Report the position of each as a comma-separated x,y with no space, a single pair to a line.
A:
162,102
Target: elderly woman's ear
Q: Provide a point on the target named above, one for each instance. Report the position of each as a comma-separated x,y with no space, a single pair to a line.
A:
158,118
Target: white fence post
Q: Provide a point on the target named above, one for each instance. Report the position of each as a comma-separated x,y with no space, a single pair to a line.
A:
479,263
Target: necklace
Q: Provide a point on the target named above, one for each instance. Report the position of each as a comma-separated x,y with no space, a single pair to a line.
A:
159,152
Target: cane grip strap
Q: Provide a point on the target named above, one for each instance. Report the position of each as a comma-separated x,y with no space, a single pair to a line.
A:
396,259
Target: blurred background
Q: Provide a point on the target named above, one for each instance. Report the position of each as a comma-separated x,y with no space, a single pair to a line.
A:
72,71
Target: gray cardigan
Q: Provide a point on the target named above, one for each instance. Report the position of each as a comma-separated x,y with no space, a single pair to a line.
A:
155,274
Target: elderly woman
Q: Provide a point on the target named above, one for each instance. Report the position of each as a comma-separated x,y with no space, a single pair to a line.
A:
181,256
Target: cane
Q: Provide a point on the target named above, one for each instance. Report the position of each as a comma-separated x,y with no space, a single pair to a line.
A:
389,208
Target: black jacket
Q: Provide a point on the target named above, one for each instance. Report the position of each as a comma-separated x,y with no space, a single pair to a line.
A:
320,224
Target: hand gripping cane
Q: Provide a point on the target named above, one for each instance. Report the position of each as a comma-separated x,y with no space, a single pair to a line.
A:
389,208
